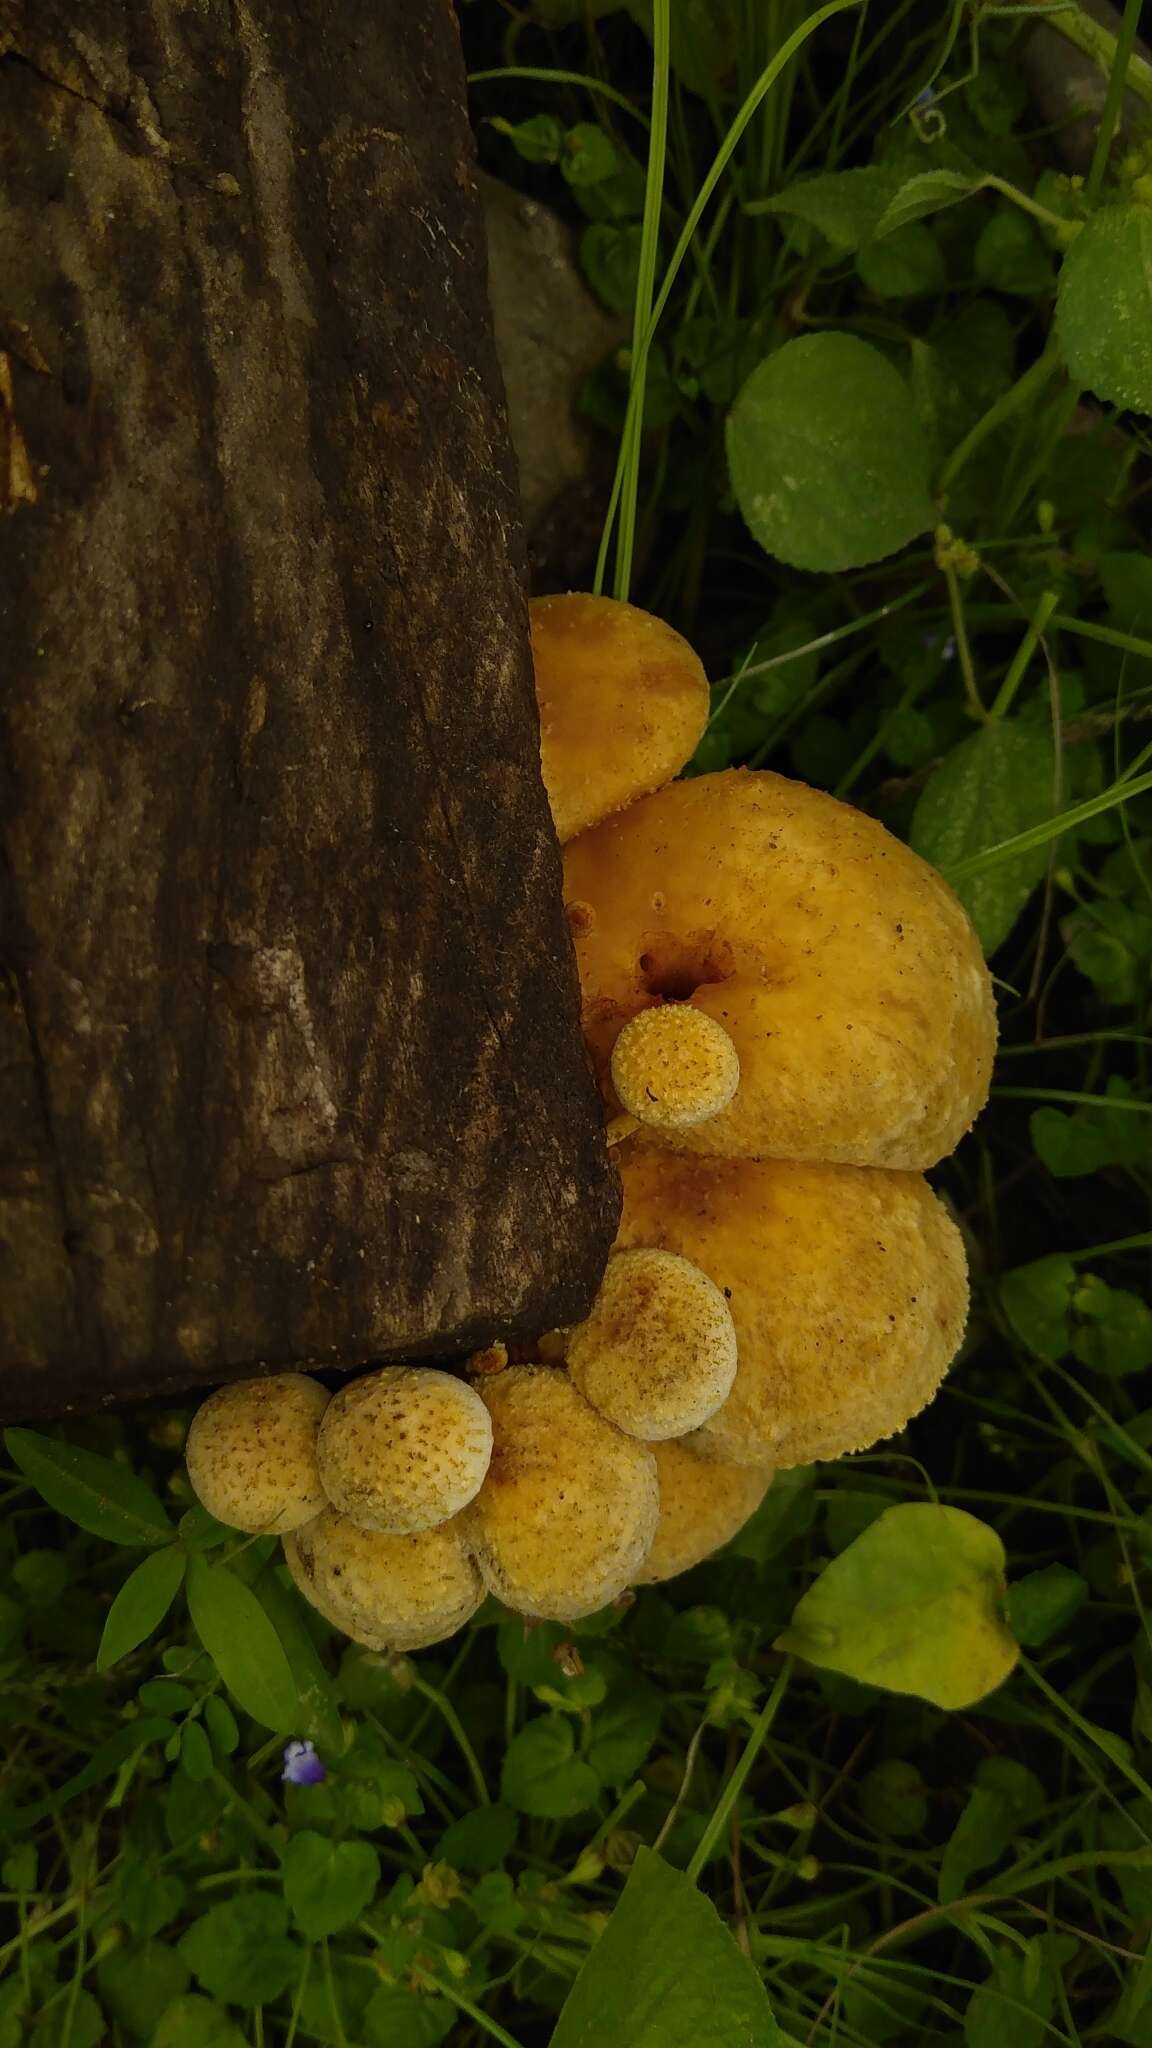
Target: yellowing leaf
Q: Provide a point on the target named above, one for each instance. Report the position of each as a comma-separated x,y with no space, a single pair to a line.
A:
914,1605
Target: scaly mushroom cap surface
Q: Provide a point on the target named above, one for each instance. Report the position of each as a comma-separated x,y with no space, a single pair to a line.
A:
387,1592
566,1516
403,1448
702,1506
847,1288
657,1354
842,967
673,1066
623,701
251,1453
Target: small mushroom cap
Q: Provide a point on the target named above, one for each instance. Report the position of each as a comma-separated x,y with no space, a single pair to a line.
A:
657,1355
251,1453
673,1066
565,1518
623,701
702,1506
403,1448
387,1592
847,1288
842,967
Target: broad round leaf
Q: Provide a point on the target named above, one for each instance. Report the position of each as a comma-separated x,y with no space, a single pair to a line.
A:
328,1884
827,457
996,783
240,1951
914,1605
1104,307
140,1605
543,1775
194,2022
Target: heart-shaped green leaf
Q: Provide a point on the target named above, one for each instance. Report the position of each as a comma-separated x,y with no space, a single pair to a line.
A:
914,1605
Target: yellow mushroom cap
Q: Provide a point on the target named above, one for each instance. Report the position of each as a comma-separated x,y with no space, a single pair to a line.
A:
403,1448
251,1453
842,967
674,1066
847,1287
565,1518
657,1354
387,1592
702,1506
623,702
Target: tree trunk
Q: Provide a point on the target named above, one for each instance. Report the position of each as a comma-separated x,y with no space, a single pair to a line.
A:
290,1068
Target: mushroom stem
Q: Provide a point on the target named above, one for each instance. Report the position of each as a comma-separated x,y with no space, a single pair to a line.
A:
621,1127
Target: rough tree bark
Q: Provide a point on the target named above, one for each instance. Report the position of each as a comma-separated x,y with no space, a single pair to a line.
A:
289,1059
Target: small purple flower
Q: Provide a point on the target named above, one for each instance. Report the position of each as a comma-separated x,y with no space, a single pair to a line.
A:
302,1766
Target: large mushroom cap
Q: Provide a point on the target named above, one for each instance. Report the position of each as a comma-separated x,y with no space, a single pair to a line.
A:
847,1288
657,1354
623,702
387,1592
702,1506
251,1453
841,966
403,1448
565,1518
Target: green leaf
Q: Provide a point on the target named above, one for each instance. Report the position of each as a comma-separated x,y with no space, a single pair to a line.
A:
543,1776
479,1840
589,155
894,1799
704,39
914,1605
317,1711
75,2022
908,264
927,193
101,1496
243,1645
1011,257
1104,307
20,1868
539,140
396,2018
1036,1300
666,1973
624,1728
194,2022
1093,1136
138,1985
141,1604
846,207
148,1900
42,1576
1018,2000
328,1884
220,1722
1112,1328
240,1951
1005,1797
195,1752
994,784
1043,1602
611,260
827,458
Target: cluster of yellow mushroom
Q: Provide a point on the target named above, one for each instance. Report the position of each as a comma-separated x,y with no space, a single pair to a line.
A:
791,1020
